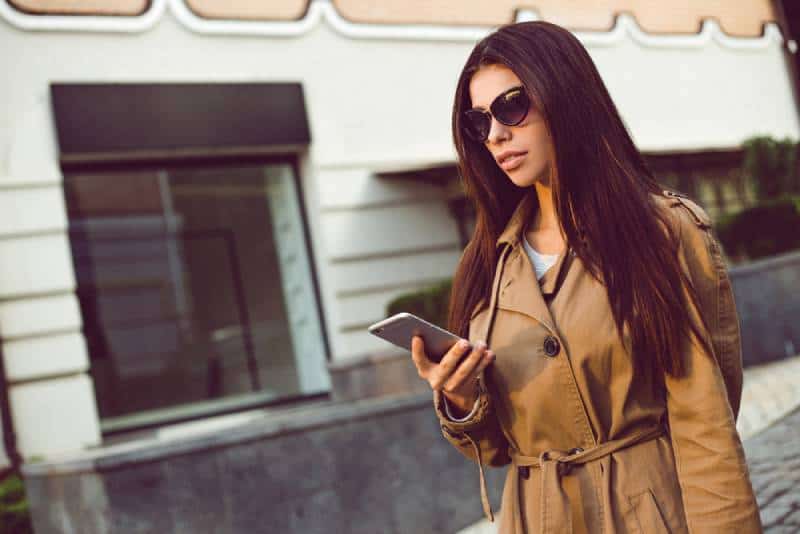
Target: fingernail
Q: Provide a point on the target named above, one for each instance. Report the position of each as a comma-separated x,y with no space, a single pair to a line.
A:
463,344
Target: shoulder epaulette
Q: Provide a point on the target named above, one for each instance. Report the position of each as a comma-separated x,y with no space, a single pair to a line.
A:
699,215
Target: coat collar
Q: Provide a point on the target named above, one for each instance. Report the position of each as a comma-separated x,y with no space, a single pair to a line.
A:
520,290
516,223
512,235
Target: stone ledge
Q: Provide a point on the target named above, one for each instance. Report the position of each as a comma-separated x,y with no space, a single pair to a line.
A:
269,425
375,375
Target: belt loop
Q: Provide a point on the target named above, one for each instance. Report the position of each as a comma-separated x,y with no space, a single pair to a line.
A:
487,506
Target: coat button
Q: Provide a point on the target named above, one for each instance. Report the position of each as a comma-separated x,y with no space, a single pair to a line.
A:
524,471
551,346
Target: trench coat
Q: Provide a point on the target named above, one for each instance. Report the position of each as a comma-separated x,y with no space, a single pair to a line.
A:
590,446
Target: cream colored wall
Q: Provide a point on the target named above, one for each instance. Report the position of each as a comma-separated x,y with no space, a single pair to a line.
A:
50,392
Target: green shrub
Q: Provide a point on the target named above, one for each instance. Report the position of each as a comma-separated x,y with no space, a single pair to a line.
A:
769,228
14,513
430,304
772,165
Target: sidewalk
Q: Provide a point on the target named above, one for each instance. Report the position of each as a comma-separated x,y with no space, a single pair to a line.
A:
769,425
774,460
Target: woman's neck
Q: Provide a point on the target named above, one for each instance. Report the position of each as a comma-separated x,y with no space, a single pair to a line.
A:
544,232
546,218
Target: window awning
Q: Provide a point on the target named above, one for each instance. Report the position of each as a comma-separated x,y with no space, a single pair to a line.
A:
119,122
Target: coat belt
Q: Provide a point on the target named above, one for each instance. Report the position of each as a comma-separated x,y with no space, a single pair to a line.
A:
554,510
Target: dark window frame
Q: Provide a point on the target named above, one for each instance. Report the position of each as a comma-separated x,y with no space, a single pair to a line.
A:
220,161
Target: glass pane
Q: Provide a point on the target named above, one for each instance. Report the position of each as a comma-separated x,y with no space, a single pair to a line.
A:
195,289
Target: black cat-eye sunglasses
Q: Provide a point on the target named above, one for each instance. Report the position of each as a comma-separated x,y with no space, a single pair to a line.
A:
509,108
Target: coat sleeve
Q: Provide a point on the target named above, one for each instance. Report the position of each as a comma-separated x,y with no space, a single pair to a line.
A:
482,427
479,437
703,259
453,418
713,475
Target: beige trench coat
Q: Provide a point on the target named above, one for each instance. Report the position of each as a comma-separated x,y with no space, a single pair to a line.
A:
591,447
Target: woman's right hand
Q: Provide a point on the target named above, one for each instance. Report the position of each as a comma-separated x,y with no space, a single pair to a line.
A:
455,377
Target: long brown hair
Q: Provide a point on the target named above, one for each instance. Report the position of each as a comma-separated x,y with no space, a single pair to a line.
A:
601,191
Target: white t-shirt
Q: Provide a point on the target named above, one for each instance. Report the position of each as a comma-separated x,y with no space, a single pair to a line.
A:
541,262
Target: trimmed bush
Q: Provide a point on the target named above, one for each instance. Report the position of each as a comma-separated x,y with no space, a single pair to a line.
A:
430,304
772,165
767,229
14,513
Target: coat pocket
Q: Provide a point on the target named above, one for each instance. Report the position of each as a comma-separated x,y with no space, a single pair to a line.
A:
644,515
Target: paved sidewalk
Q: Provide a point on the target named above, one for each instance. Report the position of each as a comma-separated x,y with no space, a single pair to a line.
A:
770,392
769,425
774,460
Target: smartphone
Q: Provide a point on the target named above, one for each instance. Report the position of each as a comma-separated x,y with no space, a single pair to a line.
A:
400,328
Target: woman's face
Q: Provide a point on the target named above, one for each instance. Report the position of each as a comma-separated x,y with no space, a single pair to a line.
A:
530,136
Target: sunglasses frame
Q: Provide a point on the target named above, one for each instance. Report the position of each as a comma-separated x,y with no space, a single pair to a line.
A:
491,113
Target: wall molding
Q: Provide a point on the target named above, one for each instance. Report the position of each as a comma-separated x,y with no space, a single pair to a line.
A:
84,23
625,27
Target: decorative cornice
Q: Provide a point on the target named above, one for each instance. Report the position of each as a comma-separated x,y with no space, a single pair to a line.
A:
84,23
625,27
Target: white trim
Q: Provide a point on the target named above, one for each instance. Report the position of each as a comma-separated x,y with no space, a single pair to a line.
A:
316,11
422,32
710,31
625,26
88,23
772,32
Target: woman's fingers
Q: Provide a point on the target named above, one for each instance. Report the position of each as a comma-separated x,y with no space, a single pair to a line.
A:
455,369
469,370
456,358
420,357
450,360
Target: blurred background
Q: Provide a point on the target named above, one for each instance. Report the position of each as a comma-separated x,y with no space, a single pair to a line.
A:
203,205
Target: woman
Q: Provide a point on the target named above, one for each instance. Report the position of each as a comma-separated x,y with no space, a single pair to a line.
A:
605,365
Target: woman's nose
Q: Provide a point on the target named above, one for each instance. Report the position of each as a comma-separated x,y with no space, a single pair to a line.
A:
498,131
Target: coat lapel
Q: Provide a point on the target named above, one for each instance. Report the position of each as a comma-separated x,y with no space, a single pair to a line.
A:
520,291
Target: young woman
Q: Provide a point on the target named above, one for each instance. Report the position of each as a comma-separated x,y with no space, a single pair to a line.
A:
605,360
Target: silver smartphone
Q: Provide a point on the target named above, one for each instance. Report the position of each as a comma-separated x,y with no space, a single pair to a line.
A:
400,328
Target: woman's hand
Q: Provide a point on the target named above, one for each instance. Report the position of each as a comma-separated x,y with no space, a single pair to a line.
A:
455,377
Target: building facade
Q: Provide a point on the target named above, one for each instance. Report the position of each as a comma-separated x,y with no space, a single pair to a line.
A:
204,204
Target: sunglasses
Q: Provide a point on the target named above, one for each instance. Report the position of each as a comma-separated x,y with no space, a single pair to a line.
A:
509,108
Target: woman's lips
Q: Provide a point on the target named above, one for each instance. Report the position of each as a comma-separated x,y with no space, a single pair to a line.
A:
513,162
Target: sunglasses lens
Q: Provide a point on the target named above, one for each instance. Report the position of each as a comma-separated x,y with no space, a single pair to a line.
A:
477,125
511,107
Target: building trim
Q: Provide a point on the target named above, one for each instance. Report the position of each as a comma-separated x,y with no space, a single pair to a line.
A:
624,26
90,23
351,258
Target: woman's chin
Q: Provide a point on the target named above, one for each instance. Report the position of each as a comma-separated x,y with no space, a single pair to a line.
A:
526,178
522,179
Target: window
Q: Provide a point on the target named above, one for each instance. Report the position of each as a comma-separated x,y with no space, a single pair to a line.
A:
196,290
